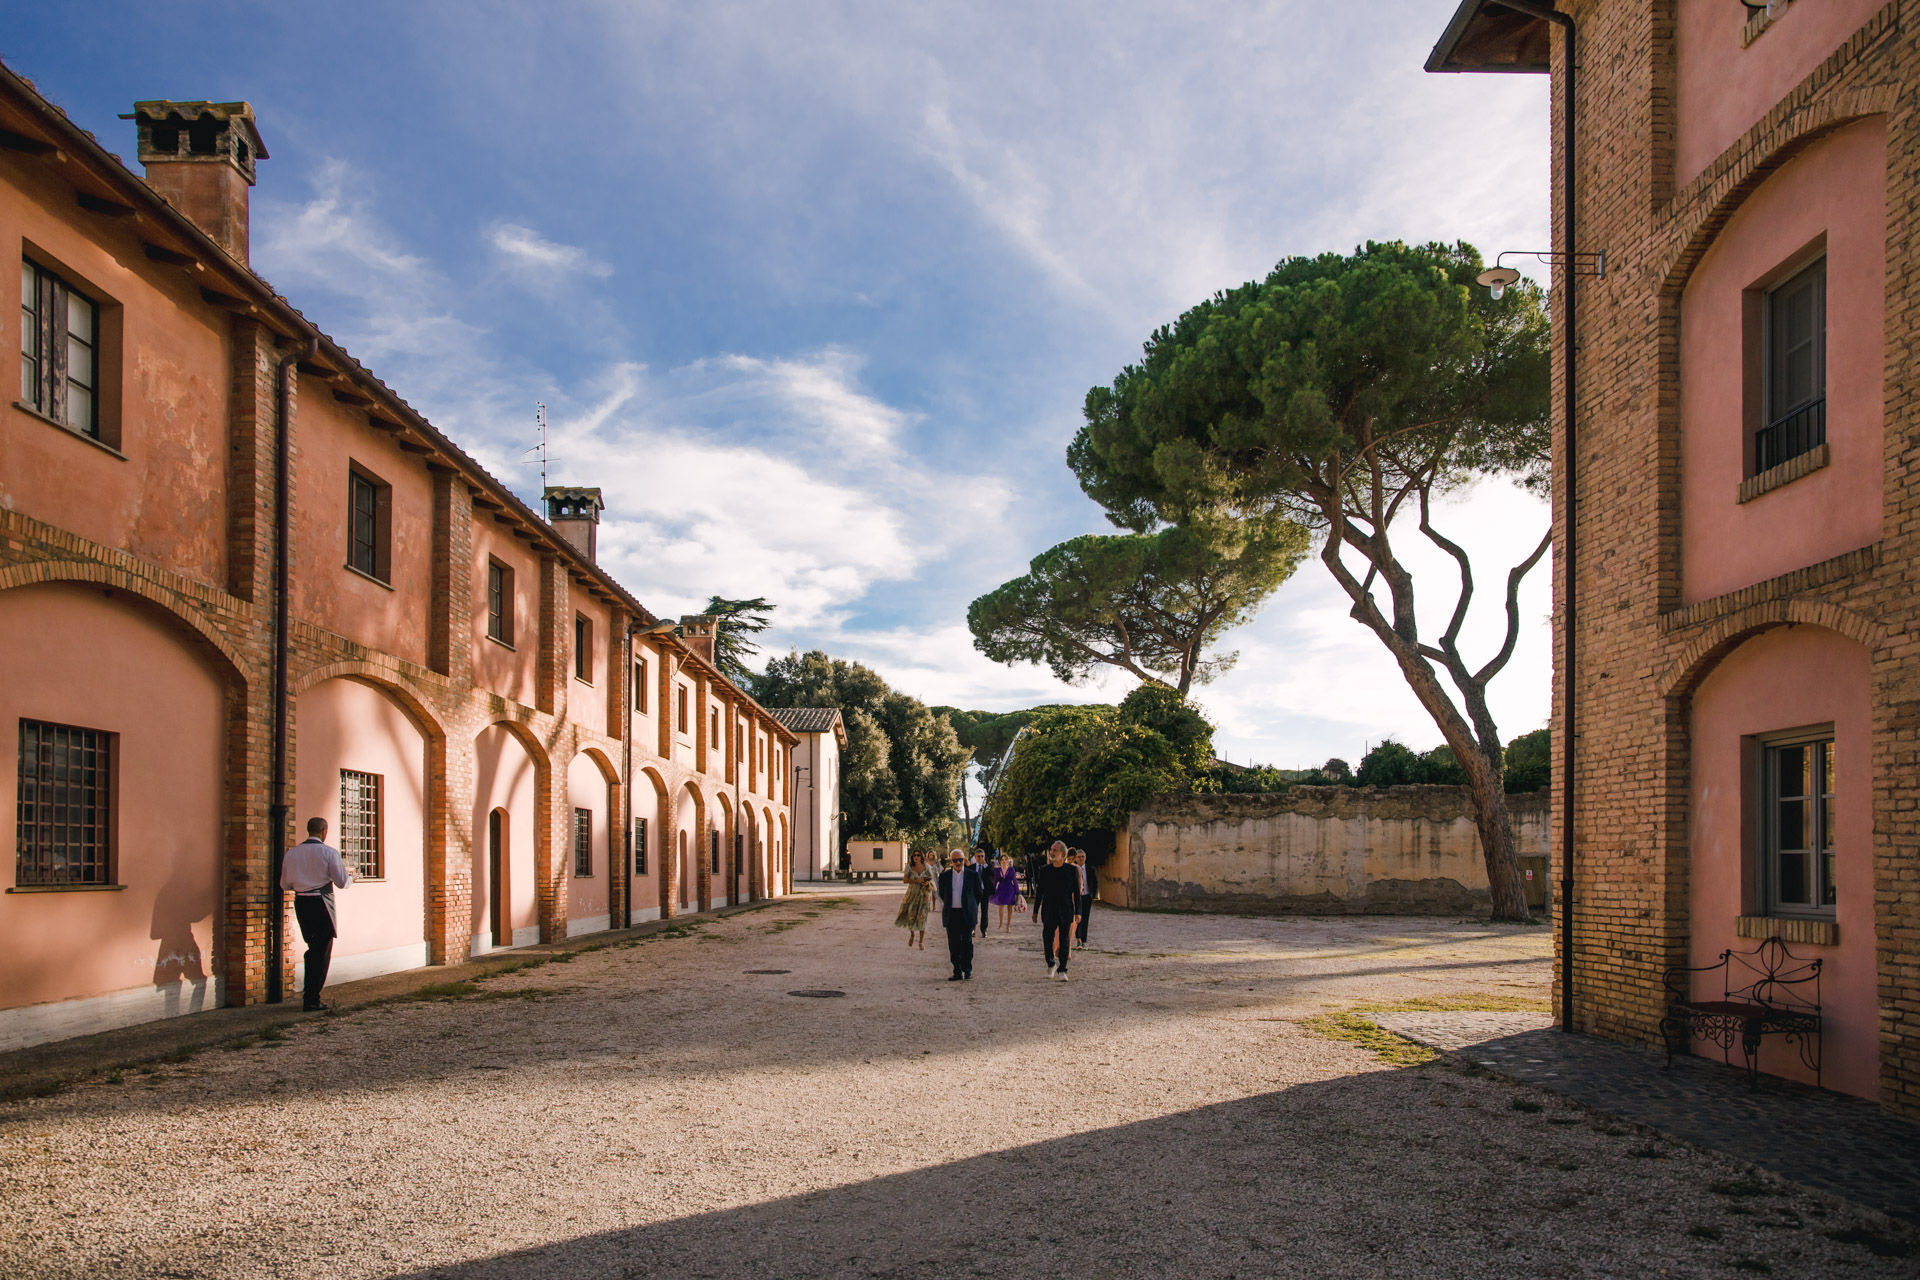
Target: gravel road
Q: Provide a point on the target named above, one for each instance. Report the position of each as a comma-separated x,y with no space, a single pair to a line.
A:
658,1109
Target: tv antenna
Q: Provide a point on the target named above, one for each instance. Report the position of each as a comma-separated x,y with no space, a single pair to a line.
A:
540,422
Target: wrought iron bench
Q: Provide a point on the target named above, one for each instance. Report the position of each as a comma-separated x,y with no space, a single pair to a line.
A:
1763,992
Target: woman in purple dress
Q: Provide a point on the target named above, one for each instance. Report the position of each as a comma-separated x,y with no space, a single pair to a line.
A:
1006,893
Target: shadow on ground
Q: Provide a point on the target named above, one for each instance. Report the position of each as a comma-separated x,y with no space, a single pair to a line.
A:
1422,1172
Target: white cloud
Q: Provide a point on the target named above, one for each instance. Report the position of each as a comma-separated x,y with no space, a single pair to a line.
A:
527,248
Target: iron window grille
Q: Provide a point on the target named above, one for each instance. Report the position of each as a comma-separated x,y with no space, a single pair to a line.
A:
1798,829
583,648
739,853
361,825
59,350
715,865
369,524
1794,395
639,846
583,842
65,825
499,602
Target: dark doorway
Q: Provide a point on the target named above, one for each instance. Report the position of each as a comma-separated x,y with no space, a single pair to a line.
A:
495,889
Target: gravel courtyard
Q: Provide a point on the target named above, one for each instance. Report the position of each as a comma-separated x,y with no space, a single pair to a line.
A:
656,1108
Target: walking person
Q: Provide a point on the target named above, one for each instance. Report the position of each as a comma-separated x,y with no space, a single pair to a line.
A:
914,907
311,869
1006,892
960,894
980,868
1089,888
1056,902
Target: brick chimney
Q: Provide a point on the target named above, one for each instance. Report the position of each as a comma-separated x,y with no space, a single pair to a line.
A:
200,156
575,515
697,631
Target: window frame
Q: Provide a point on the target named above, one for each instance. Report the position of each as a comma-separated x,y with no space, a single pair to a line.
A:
49,323
680,710
582,843
53,872
1821,853
640,686
714,867
639,846
500,602
357,858
1776,421
583,648
379,560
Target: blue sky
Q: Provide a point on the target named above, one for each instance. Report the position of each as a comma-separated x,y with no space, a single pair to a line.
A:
814,290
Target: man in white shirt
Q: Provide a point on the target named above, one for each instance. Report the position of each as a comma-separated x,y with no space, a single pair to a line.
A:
311,869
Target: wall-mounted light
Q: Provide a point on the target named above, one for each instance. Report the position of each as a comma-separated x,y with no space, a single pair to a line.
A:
1499,277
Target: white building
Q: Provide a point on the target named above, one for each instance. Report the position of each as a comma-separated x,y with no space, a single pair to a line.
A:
816,787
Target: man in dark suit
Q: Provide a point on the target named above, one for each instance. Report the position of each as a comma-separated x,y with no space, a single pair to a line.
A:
980,868
960,894
1089,889
1056,905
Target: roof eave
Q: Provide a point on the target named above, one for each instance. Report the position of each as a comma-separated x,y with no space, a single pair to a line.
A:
1469,19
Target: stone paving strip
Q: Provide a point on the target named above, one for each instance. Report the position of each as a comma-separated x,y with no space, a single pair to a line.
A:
671,1106
1844,1145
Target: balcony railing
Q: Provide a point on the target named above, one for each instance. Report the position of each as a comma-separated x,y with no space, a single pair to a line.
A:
1790,435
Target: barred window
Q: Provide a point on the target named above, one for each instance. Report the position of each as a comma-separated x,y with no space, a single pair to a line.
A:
639,846
716,853
65,830
583,842
361,846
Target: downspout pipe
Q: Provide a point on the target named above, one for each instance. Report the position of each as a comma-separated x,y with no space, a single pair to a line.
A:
277,808
1569,469
626,777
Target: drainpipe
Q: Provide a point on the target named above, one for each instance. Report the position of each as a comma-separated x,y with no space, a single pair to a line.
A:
277,809
1570,464
626,776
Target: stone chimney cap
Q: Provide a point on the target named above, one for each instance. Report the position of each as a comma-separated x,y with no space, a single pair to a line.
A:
209,130
567,503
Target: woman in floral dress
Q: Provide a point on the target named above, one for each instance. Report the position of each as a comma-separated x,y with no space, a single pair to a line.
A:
914,907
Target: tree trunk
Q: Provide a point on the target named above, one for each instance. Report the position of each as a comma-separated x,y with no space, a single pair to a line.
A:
1487,788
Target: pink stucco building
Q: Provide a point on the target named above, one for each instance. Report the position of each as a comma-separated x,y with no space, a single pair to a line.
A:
1735,495
228,555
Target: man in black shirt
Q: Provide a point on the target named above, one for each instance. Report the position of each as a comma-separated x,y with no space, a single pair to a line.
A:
1056,904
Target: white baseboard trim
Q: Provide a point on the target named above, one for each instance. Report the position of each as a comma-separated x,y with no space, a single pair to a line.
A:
366,964
589,924
63,1019
527,937
644,914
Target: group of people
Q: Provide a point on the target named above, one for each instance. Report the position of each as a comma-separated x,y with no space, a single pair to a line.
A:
1060,887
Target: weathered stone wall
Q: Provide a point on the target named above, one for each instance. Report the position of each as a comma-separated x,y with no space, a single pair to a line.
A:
1319,851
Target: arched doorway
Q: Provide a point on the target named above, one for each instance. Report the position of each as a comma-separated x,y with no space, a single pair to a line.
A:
361,763
506,787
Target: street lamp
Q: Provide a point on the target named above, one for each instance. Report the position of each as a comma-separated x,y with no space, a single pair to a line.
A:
1499,277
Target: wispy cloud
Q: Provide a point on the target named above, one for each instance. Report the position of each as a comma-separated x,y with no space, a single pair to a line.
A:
524,247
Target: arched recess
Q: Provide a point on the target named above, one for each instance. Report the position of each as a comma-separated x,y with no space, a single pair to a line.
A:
158,696
511,773
364,755
1706,650
81,573
690,824
1764,714
653,844
751,827
783,862
769,880
720,880
592,811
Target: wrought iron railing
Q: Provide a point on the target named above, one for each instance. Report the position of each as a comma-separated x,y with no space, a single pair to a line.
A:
1791,435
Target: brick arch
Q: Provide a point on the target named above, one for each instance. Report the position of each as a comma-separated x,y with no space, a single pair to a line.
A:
1705,652
1763,157
384,678
683,794
602,761
82,572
